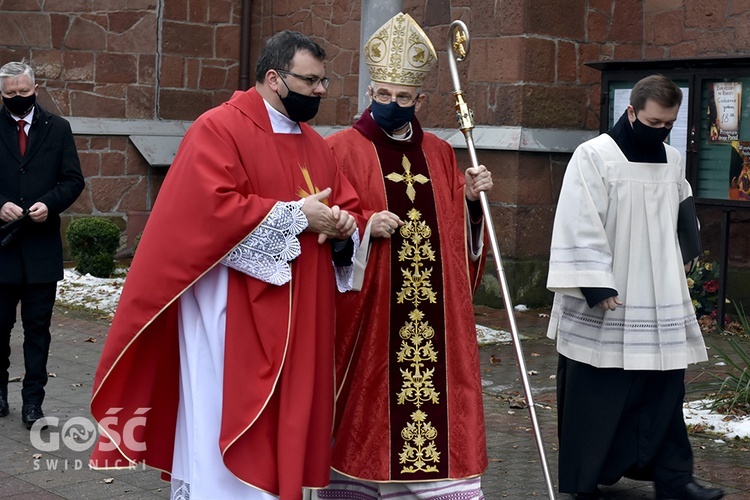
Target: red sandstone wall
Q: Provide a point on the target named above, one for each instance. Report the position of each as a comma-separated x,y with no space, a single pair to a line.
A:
334,24
679,29
88,63
132,59
200,56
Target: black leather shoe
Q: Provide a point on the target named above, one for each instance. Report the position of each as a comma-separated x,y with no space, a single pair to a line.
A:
694,491
4,409
30,414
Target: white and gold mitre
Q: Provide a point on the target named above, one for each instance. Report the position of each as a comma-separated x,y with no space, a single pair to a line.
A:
399,52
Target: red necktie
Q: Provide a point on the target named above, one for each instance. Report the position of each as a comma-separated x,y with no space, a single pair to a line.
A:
22,137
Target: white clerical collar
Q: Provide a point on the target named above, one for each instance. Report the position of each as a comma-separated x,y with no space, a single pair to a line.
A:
281,123
406,136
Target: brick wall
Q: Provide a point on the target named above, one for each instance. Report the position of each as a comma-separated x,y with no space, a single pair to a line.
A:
96,63
200,56
156,60
334,24
679,29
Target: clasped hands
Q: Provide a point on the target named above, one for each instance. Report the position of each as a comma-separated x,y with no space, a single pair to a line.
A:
37,212
328,222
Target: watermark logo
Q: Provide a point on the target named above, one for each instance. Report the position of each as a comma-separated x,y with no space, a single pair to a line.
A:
77,434
80,433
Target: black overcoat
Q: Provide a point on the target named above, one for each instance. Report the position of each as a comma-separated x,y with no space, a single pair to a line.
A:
49,172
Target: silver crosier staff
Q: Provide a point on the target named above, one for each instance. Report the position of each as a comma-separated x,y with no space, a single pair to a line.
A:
458,49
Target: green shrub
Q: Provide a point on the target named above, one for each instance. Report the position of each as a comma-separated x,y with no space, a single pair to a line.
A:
93,242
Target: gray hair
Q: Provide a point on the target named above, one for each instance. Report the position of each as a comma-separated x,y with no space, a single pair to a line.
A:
14,70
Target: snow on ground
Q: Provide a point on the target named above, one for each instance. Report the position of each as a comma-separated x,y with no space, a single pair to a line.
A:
489,336
100,295
728,426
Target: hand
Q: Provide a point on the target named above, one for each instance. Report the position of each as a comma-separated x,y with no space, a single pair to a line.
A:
610,303
10,211
478,179
384,224
38,212
320,217
345,222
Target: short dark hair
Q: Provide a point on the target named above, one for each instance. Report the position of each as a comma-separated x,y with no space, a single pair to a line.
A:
281,48
657,87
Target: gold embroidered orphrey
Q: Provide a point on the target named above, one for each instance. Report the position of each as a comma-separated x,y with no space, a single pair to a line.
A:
417,354
408,178
399,52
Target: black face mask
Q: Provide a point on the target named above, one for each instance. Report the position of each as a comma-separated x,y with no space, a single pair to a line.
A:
19,105
649,137
391,116
299,107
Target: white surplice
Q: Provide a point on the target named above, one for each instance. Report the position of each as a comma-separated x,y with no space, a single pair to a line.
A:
616,227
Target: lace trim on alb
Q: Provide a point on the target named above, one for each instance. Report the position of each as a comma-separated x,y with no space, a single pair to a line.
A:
180,490
345,274
265,254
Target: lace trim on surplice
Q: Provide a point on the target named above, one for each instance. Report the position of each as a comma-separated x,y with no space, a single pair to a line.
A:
345,274
265,254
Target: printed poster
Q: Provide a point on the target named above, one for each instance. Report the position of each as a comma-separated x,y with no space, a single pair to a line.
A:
724,104
739,171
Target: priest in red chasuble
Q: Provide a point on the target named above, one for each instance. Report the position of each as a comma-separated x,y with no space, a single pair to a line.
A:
409,417
218,368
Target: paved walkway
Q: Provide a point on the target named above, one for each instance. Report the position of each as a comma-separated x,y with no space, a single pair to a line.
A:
514,472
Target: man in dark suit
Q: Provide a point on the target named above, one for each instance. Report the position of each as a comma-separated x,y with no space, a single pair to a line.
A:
40,176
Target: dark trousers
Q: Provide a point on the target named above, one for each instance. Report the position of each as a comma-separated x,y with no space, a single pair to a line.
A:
614,423
37,301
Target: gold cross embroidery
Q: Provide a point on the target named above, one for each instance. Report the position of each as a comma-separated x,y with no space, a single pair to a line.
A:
408,178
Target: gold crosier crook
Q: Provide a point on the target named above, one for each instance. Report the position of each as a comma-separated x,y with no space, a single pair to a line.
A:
458,49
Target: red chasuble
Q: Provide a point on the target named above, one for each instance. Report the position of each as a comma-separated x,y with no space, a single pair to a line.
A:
409,393
277,412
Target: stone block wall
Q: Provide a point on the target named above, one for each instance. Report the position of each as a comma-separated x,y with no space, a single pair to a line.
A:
96,61
681,29
172,60
334,24
199,56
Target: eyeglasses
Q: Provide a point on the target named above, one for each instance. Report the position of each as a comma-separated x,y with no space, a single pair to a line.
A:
383,97
312,81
